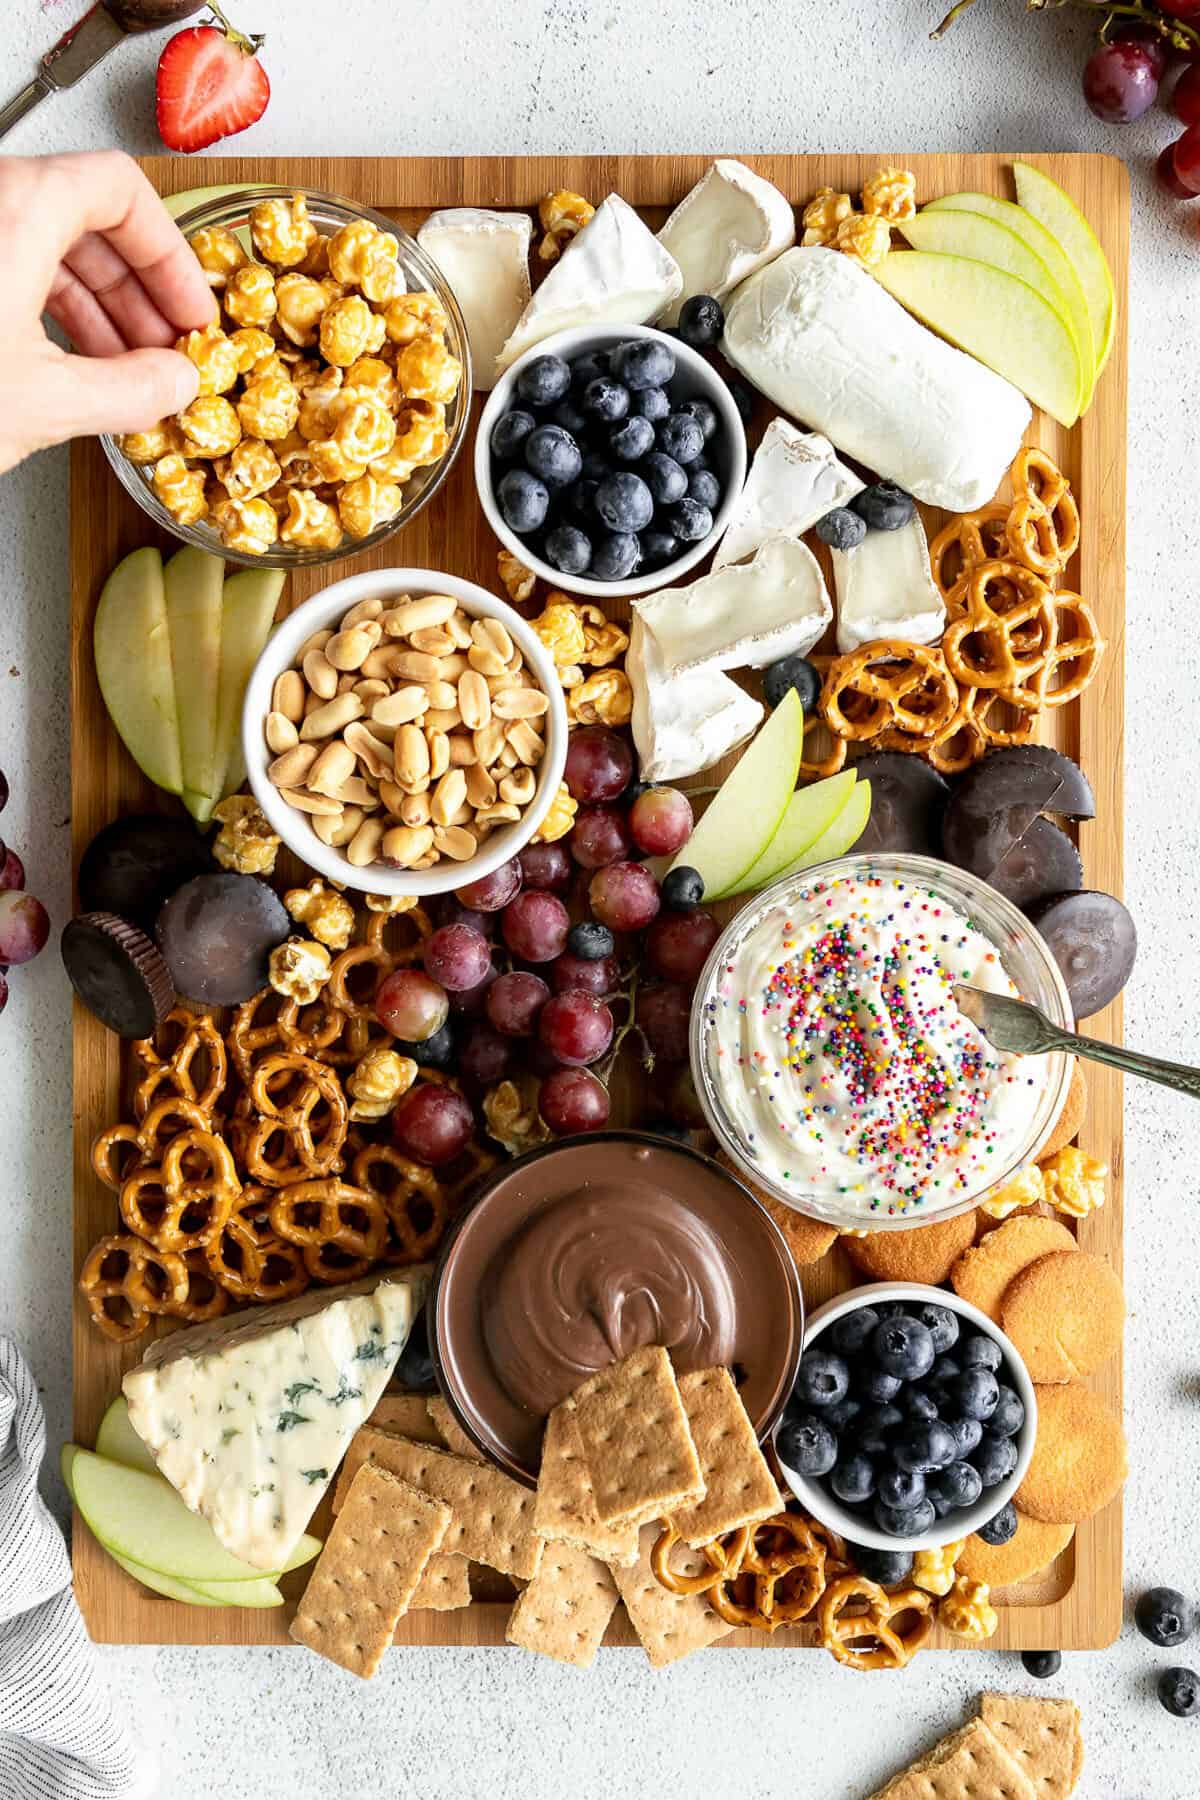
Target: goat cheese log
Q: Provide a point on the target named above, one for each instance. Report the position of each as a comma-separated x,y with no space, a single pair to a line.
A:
819,336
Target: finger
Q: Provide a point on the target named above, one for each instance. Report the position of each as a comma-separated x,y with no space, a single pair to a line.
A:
76,309
129,392
119,291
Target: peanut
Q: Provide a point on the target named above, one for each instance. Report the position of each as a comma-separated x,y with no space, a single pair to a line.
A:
290,769
462,751
412,759
415,666
526,741
433,640
287,696
415,809
334,716
520,703
474,701
446,718
316,640
366,609
393,797
311,803
357,792
401,707
480,786
406,844
363,848
439,753
372,752
320,674
337,829
280,733
415,615
448,796
349,650
333,766
518,787
488,741
455,842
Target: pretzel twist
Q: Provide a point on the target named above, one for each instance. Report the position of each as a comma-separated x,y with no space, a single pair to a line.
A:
184,1036
341,1230
888,684
982,648
249,1259
723,1557
180,1203
964,542
119,1150
127,1282
1042,529
411,1196
292,1120
867,1639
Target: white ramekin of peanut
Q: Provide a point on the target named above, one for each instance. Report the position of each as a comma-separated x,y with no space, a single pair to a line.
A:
404,732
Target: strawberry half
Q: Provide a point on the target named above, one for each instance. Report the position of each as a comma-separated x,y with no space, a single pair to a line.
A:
210,84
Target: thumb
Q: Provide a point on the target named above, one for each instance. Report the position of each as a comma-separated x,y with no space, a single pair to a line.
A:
129,392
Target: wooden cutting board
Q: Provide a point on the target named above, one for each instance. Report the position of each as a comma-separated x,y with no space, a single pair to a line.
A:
1075,1605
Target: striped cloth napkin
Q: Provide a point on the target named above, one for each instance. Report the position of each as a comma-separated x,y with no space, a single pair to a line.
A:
58,1737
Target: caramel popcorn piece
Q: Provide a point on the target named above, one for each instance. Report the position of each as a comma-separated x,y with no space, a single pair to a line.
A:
426,370
245,843
345,330
181,490
822,216
604,639
560,627
151,446
301,304
311,522
559,818
421,435
605,698
1025,1189
510,1109
562,215
411,316
269,406
367,503
891,194
299,969
377,1081
1074,1182
517,581
250,296
328,916
282,231
246,525
210,427
214,355
933,1570
218,253
250,470
865,237
967,1610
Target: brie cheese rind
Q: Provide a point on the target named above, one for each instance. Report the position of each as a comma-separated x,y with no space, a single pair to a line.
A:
820,337
484,255
730,224
885,589
613,272
249,1417
794,480
683,723
745,615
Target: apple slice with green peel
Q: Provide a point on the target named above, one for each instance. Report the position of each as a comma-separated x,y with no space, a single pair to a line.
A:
131,642
247,614
194,583
808,814
986,241
744,815
1052,207
994,317
840,836
141,1517
1046,246
189,198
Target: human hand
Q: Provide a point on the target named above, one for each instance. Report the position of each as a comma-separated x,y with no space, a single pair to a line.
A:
88,242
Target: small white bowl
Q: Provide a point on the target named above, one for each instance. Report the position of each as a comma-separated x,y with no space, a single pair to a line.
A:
293,827
813,1493
694,378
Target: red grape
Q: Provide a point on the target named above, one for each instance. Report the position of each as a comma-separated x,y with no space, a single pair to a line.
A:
624,896
600,836
12,872
661,821
458,957
493,891
597,975
599,764
471,1000
678,943
1152,42
410,1005
573,1100
546,866
538,1059
514,1002
1167,177
663,1012
1185,101
1119,82
432,1124
451,911
1187,159
3,982
3,792
1180,9
576,1027
485,1056
535,926
24,927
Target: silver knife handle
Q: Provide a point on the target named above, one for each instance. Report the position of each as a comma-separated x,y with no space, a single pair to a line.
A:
1130,1062
23,103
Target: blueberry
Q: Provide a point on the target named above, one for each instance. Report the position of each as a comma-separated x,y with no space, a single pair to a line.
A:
615,556
877,1385
903,1347
850,1333
569,549
667,1128
681,436
436,1052
806,1444
792,672
587,368
905,1522
853,1480
569,416
958,1484
888,1567
664,477
901,1488
596,467
415,1368
652,403
916,1404
1009,1415
643,363
884,506
967,1433
553,455
995,1457
873,1428
981,1352
1179,1691
705,415
590,941
544,380
841,529
840,1416
926,1447
633,790
938,1501
701,321
1165,1616
743,399
659,547
974,1394
606,399
624,502
523,500
1000,1527
509,433
1041,1664
941,1324
690,521
822,1379
705,488
682,889
945,1370
581,500
892,1309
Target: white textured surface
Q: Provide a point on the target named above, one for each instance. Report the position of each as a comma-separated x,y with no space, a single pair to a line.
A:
696,75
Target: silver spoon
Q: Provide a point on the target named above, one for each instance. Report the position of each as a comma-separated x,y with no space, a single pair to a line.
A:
1016,1026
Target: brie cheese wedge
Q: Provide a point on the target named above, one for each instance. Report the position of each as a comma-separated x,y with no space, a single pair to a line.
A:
794,480
745,615
824,341
249,1417
484,255
683,723
885,589
613,272
730,224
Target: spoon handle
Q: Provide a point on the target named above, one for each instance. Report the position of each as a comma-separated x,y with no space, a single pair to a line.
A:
23,103
1130,1062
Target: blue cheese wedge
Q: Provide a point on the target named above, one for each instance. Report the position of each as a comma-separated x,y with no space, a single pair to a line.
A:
743,616
794,480
730,224
885,589
683,723
249,1417
484,255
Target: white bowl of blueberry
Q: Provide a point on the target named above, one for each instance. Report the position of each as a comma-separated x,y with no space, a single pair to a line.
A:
911,1422
608,459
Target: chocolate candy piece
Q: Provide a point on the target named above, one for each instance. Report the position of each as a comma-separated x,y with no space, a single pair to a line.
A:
1042,861
908,797
1094,942
134,864
117,973
217,932
997,801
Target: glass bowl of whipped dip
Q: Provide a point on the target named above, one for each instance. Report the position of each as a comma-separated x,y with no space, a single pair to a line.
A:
832,1062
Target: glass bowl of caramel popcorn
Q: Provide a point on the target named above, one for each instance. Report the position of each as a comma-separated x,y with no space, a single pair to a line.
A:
335,385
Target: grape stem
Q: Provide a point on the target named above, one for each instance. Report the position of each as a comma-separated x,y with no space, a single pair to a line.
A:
1177,34
625,995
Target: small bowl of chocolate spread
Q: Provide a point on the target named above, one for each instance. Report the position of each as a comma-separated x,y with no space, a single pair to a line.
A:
578,1254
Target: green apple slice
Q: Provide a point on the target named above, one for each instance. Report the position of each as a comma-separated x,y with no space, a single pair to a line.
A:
194,583
142,1518
1044,245
841,835
985,241
744,814
189,198
809,813
247,613
1045,201
158,1583
994,317
132,645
